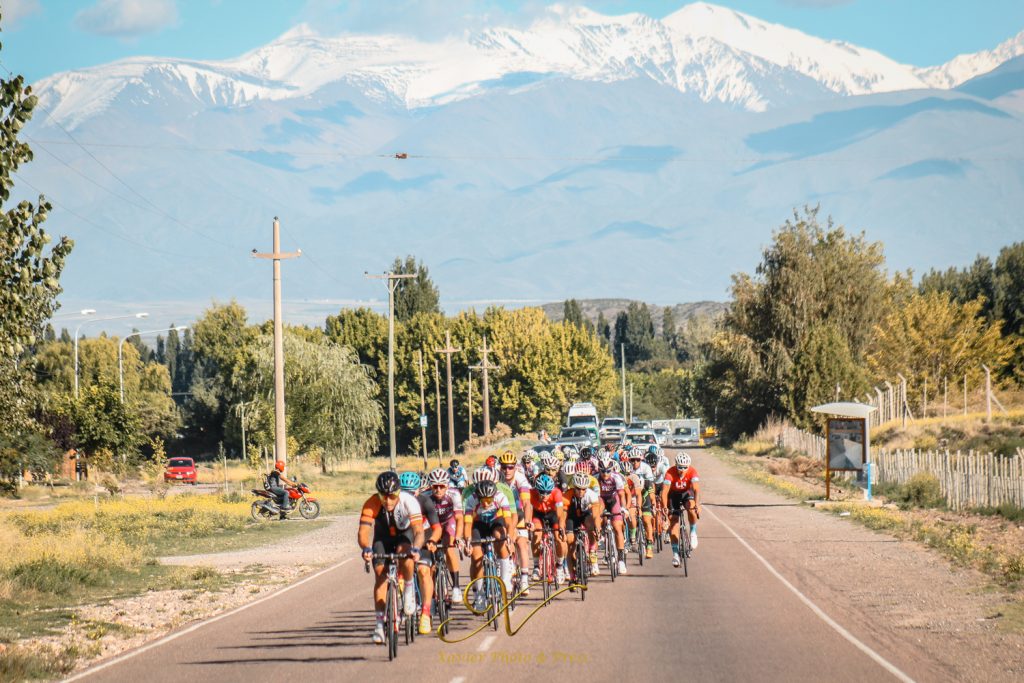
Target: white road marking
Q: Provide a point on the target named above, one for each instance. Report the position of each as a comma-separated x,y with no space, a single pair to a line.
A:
879,659
486,643
458,679
195,627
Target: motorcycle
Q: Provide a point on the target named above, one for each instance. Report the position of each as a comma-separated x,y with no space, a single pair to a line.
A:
265,506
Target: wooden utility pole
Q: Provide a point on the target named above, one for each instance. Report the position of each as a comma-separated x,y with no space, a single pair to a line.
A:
437,390
988,393
392,282
622,362
469,398
448,350
280,442
485,366
423,407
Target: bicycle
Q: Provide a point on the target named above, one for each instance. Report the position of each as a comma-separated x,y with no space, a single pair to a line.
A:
684,539
610,554
393,602
641,536
547,560
492,591
582,562
444,587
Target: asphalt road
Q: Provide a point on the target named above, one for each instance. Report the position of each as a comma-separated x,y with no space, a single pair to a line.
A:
735,618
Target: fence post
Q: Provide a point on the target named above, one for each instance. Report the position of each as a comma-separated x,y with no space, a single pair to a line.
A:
988,393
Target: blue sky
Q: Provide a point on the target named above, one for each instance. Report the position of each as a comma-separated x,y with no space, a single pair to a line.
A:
42,37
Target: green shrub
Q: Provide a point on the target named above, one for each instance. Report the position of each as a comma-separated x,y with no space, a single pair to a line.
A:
53,576
923,490
1007,511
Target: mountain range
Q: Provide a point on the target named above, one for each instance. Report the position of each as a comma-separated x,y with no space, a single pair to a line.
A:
584,156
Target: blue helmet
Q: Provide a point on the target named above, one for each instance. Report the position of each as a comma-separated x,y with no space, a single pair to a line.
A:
410,481
652,449
545,484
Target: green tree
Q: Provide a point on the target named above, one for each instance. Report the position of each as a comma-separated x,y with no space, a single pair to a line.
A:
572,314
29,276
365,332
822,364
634,327
603,329
102,421
330,398
414,295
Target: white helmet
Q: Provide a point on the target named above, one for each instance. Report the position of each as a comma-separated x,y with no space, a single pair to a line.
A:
439,476
683,460
549,462
569,468
484,474
570,451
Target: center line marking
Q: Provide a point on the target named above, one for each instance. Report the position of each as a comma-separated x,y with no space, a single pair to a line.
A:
881,661
486,644
458,679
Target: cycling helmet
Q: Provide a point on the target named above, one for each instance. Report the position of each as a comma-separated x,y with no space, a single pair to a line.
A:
653,448
279,465
507,458
529,455
581,480
683,460
651,458
453,463
570,451
545,484
409,481
583,467
558,455
491,461
636,454
605,463
439,476
569,468
586,452
549,463
486,489
484,474
387,482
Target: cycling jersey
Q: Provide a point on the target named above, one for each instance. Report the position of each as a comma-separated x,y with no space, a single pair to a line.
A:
503,489
645,473
680,482
660,469
449,508
554,501
488,513
580,506
407,511
520,487
611,485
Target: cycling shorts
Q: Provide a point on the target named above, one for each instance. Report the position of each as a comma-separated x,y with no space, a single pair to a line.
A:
572,523
614,506
401,542
540,517
678,501
485,529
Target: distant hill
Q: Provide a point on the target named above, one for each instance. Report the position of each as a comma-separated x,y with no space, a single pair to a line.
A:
612,307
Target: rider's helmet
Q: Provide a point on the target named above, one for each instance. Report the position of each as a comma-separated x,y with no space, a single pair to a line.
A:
586,453
653,448
636,454
387,482
581,480
583,467
279,465
605,464
507,458
453,464
439,476
570,452
549,463
545,484
483,474
529,455
683,461
409,481
569,468
491,461
486,489
558,455
651,458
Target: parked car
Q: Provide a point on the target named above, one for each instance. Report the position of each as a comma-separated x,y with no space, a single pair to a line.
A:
181,469
612,428
639,424
685,436
661,433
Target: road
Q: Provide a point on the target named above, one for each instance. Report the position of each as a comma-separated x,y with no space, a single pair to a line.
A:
737,617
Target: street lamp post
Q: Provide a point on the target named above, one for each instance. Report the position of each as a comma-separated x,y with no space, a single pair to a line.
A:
97,320
120,351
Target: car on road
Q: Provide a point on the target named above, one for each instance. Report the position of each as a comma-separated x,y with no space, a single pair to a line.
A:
181,470
578,437
640,437
662,434
639,424
612,428
685,436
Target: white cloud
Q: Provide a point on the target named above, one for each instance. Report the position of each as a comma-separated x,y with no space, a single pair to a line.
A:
127,18
16,10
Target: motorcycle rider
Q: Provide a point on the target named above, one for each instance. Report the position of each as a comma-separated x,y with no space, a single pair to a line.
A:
276,482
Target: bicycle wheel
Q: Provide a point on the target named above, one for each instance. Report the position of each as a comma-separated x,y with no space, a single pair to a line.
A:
492,591
684,546
659,536
641,539
582,568
609,551
442,594
547,564
391,621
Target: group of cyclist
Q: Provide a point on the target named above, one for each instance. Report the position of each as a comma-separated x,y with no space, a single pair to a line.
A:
513,500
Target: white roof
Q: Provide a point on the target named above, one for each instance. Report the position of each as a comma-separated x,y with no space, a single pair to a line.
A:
860,410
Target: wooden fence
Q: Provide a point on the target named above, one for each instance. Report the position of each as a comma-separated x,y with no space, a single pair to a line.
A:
968,480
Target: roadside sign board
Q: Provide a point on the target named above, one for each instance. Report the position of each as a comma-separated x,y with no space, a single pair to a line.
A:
846,441
423,421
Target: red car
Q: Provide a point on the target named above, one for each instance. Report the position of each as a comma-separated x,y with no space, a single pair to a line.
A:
181,469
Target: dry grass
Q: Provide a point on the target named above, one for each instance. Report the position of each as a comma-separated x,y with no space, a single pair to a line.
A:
957,432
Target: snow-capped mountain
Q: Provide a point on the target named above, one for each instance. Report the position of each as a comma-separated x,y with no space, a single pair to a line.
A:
714,53
540,160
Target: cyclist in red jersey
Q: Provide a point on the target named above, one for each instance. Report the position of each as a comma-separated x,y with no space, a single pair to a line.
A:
548,506
682,492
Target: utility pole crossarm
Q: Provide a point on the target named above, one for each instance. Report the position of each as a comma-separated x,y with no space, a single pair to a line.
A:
484,366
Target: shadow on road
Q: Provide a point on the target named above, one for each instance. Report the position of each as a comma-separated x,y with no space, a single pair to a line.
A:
752,505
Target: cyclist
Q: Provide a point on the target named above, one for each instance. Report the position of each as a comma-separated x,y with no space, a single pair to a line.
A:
457,473
487,513
682,491
410,483
613,498
584,507
529,465
548,506
564,481
492,464
448,503
391,522
643,471
659,464
514,478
